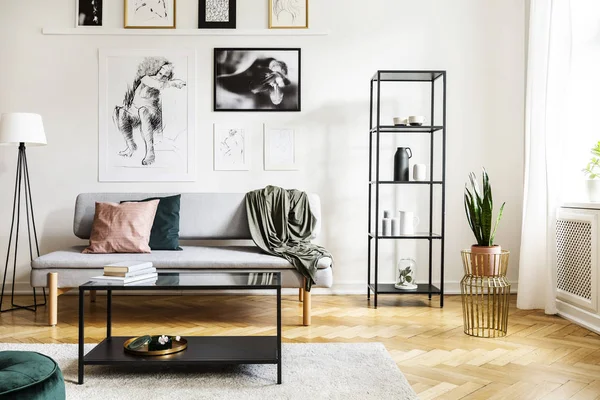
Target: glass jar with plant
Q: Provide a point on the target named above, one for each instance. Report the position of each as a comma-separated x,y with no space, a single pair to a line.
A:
406,274
592,172
479,207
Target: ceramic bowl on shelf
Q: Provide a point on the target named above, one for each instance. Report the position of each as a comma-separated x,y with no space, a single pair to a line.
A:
400,121
416,120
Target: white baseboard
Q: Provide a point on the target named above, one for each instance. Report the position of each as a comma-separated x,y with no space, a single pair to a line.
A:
356,288
578,316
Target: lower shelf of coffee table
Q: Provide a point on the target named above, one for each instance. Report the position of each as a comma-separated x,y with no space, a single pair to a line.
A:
201,350
389,288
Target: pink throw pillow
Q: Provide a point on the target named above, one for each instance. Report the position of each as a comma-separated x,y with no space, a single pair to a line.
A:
122,228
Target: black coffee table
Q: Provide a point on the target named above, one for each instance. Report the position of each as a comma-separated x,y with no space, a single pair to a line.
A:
202,350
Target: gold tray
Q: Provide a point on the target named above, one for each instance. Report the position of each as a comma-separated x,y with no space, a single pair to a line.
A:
178,345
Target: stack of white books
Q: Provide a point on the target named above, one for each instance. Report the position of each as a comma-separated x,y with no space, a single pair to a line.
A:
128,273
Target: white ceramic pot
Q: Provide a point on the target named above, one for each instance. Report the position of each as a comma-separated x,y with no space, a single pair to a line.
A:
593,190
420,172
400,121
416,120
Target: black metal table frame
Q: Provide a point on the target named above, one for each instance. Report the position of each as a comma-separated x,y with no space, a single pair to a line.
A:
108,288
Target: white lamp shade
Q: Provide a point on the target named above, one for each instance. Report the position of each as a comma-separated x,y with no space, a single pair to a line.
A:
25,128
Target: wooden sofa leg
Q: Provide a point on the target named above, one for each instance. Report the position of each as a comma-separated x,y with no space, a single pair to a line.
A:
301,295
53,298
92,296
306,309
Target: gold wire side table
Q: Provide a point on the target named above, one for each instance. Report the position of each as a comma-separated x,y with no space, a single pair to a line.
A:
485,296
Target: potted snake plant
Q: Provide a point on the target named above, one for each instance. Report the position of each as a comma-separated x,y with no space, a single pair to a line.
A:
479,207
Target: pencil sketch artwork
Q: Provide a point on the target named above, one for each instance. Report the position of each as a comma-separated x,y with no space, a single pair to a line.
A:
147,117
150,13
257,79
280,149
89,12
230,145
289,14
142,106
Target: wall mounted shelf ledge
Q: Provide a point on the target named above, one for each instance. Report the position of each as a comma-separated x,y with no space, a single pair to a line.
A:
181,32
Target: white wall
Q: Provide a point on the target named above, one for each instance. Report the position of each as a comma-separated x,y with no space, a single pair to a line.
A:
480,44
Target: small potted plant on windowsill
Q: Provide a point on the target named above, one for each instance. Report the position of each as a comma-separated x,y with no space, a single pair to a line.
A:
592,171
479,208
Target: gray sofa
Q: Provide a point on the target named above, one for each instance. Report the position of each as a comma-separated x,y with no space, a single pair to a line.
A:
203,216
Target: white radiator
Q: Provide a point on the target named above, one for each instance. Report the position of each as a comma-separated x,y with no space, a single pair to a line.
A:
577,243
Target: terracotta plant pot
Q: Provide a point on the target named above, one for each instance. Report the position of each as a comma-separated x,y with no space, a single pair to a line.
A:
485,260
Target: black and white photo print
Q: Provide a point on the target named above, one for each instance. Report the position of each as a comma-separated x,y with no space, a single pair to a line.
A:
147,115
255,79
89,13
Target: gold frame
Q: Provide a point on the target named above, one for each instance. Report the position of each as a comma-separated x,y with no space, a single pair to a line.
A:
150,27
285,27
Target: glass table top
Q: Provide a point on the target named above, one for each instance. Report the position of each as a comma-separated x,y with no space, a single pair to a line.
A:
199,280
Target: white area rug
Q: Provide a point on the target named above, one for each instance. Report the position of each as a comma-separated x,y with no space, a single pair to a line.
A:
310,371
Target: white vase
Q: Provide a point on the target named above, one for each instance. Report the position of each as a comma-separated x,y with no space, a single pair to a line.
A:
593,190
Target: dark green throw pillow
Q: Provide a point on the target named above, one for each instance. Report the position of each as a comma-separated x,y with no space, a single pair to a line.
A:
165,229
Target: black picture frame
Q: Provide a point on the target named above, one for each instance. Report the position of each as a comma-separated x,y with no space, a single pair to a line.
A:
88,13
203,24
294,89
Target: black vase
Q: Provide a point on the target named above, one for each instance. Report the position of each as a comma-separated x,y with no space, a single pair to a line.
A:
401,164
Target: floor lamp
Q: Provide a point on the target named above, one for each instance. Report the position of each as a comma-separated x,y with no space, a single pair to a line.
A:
19,129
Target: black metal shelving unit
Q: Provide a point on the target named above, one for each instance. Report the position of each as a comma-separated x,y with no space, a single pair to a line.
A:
375,131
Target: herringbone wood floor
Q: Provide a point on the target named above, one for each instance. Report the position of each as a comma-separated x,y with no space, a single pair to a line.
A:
543,357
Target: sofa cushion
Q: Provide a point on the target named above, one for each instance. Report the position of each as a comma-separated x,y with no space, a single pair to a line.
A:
122,228
192,257
165,228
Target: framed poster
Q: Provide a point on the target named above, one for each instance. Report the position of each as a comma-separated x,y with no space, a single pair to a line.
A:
88,13
288,14
257,79
217,14
147,115
280,149
231,148
150,14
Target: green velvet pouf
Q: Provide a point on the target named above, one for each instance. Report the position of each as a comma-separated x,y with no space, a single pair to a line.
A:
28,375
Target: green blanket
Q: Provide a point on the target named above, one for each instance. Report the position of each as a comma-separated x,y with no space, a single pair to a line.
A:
281,224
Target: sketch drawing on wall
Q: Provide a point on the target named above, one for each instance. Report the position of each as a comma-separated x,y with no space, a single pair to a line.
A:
146,115
149,13
257,79
89,13
288,14
142,106
280,149
230,148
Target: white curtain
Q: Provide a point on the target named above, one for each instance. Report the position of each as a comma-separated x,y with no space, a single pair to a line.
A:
549,60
